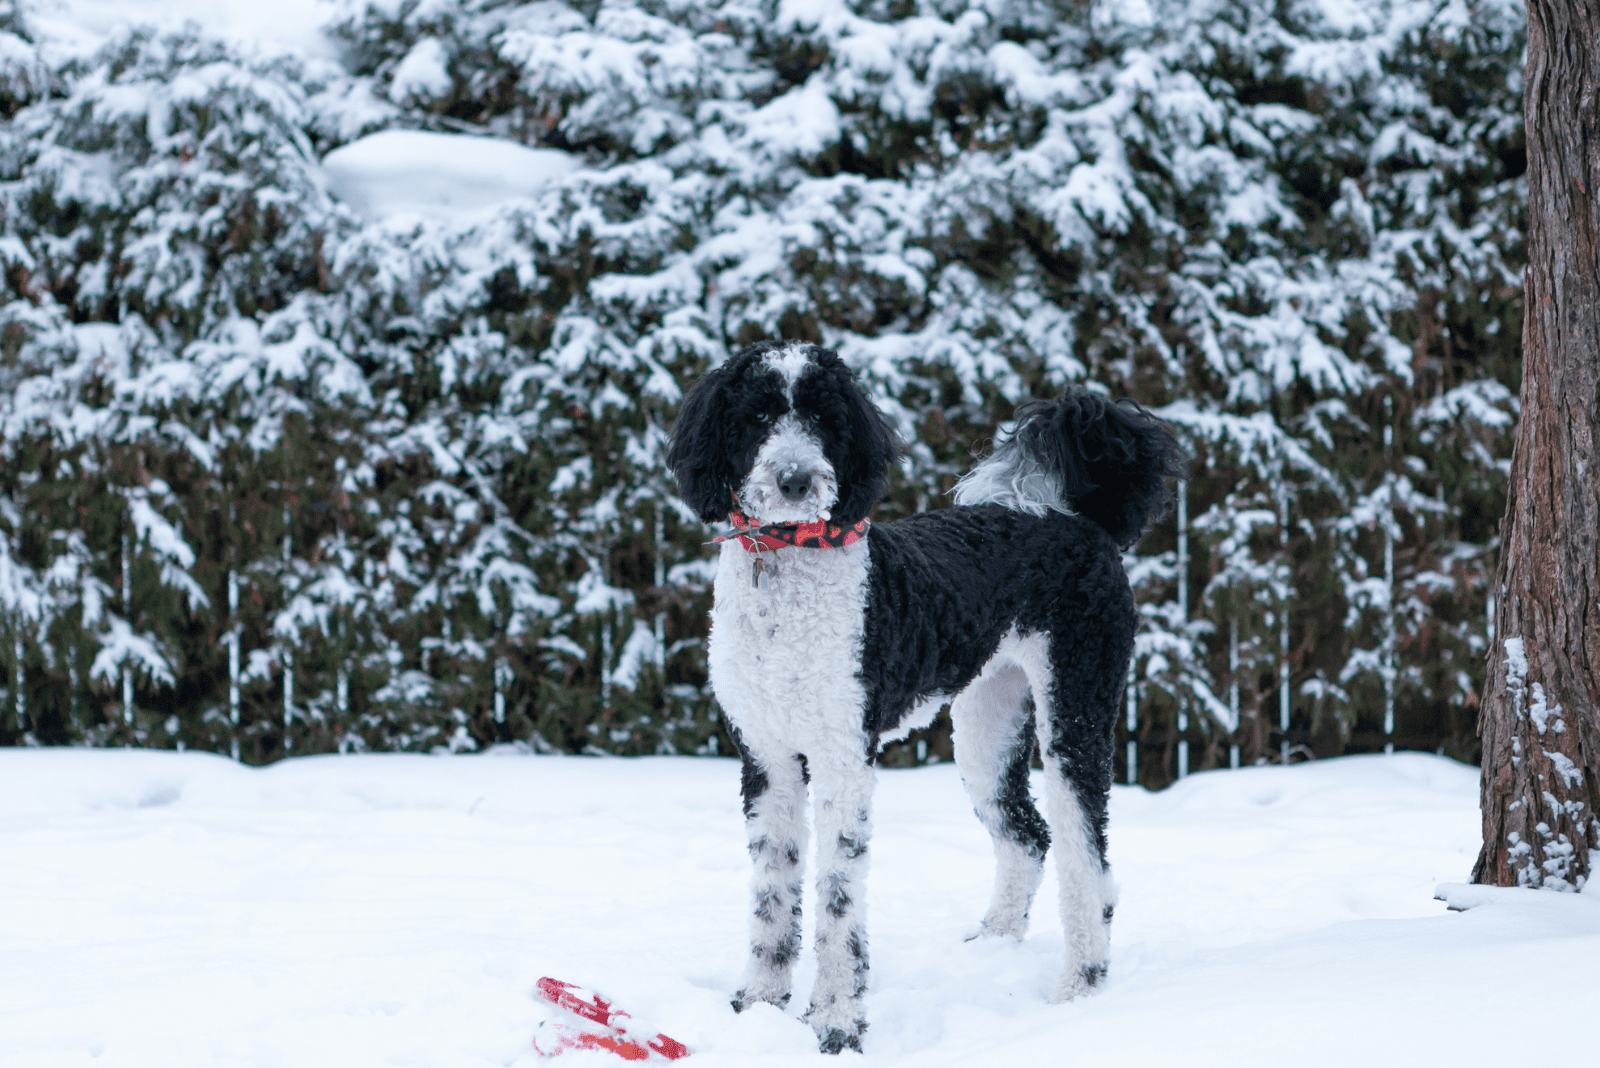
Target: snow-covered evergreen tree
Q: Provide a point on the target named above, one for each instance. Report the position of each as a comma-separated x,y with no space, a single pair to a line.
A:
427,445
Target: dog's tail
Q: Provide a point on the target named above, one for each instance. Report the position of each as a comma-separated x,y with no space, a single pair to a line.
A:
1106,461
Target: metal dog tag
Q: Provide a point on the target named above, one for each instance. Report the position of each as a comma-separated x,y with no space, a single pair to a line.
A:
756,567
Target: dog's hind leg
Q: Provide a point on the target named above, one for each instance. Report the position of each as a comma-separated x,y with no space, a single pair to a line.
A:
844,783
775,823
1076,708
994,744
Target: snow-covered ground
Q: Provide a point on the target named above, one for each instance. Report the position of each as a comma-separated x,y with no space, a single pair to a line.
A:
166,909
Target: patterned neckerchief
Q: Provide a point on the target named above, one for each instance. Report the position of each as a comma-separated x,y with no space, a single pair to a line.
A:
818,535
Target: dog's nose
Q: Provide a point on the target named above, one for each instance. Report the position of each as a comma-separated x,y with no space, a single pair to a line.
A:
795,484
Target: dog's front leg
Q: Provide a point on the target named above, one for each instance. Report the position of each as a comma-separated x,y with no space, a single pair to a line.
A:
844,828
775,822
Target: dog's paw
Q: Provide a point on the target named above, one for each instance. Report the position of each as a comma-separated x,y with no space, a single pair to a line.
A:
743,1000
1075,984
836,1025
762,984
992,928
839,1039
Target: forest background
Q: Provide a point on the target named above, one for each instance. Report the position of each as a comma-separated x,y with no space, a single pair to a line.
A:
282,475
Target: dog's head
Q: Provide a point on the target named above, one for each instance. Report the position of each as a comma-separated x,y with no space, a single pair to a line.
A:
783,431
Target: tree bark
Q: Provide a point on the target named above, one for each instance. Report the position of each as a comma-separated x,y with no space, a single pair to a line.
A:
1540,717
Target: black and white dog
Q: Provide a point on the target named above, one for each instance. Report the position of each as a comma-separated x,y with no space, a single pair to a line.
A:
830,637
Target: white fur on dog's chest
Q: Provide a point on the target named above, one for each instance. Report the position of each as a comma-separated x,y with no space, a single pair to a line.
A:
784,655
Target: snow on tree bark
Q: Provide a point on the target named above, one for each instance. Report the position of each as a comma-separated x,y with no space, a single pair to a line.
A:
1540,717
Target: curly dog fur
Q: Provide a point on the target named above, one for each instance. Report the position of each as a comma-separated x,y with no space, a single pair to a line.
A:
1012,606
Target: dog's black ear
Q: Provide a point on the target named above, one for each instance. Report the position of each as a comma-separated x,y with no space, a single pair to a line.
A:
857,439
699,456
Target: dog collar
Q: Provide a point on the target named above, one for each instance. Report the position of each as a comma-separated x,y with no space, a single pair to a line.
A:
755,538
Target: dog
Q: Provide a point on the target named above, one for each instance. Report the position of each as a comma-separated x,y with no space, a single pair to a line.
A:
831,636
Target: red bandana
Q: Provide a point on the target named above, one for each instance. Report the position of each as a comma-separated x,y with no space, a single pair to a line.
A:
818,535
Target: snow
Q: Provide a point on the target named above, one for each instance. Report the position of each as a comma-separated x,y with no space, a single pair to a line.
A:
424,72
1516,658
1540,712
171,909
445,177
79,27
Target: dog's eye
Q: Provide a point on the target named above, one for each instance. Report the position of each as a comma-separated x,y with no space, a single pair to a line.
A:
762,417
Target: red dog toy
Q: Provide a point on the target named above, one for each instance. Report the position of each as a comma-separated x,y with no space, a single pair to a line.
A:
603,1027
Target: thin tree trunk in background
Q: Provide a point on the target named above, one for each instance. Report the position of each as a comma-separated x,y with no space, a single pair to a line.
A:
1540,717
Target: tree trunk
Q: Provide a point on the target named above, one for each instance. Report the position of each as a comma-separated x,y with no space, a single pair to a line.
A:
1540,717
